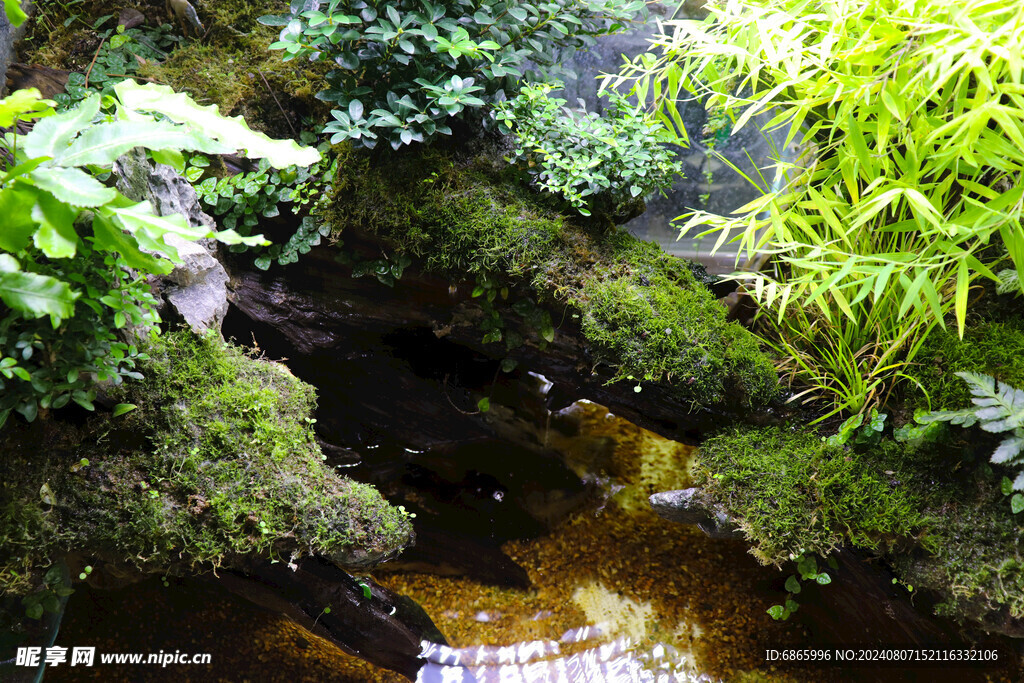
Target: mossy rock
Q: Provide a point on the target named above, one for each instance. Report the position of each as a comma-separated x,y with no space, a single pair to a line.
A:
972,554
641,310
991,348
229,66
791,493
218,462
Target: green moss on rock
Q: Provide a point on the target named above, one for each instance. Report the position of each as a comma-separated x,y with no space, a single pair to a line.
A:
641,309
973,555
992,348
218,461
790,492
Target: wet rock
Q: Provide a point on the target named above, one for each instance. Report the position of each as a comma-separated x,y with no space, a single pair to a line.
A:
383,628
685,507
420,325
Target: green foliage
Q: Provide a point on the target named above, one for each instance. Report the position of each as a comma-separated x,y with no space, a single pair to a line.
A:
241,200
861,434
75,253
998,408
15,15
911,122
118,57
608,161
793,494
408,66
807,570
50,597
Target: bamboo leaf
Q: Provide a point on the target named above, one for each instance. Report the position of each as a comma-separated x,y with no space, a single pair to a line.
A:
960,298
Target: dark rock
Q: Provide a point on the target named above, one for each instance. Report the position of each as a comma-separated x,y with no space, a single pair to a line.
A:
320,311
130,18
685,507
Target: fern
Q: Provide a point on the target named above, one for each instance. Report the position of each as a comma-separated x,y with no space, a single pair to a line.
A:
998,408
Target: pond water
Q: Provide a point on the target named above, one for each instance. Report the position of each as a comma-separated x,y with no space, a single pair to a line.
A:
613,581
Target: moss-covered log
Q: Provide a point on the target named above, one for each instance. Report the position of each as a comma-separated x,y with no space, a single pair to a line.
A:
640,310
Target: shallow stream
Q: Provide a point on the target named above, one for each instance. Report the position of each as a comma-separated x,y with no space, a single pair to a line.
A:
670,599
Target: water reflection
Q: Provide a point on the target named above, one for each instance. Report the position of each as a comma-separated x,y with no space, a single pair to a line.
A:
551,661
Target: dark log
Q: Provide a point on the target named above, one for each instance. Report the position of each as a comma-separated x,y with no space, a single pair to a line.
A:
321,313
385,629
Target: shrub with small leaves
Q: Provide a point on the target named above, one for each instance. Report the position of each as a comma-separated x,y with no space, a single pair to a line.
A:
594,162
241,200
408,66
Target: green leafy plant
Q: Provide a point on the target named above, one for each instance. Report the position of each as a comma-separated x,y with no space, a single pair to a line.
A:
609,161
912,126
241,200
74,253
15,15
998,408
48,598
120,56
1016,499
408,66
807,570
855,432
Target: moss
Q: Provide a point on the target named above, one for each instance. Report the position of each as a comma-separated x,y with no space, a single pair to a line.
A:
218,461
974,549
790,492
640,309
934,511
993,348
229,66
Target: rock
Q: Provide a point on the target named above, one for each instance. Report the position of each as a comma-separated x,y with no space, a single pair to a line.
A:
197,287
200,298
161,185
383,628
9,35
130,18
685,507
